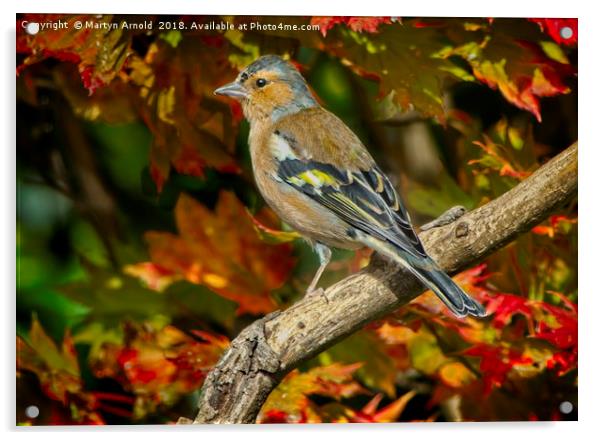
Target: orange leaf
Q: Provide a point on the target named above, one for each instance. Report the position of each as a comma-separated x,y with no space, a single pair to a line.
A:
58,372
269,234
357,24
154,276
388,414
222,251
290,402
158,366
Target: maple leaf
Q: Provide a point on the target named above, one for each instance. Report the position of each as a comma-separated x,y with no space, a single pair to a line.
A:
557,223
560,329
222,251
100,54
357,24
496,159
58,372
518,68
154,276
505,306
400,57
456,374
378,369
496,363
562,30
267,233
192,129
388,414
158,366
290,401
169,87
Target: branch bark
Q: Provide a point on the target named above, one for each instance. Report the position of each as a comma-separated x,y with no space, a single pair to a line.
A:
264,352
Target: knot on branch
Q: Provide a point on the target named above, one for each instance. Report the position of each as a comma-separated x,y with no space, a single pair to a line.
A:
462,230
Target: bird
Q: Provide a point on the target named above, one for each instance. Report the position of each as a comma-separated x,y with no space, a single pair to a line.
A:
317,175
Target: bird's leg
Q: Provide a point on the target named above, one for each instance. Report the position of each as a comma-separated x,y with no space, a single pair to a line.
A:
324,253
449,216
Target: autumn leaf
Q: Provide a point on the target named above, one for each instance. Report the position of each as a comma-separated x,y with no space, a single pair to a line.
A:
562,30
496,363
192,129
169,87
400,57
58,371
519,69
290,401
456,374
357,24
154,276
100,53
495,159
221,250
270,234
557,224
378,368
559,327
388,414
505,306
158,366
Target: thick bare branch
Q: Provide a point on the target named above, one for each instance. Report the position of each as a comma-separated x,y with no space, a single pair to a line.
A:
264,352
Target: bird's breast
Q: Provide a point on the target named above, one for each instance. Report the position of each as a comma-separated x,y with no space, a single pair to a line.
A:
295,208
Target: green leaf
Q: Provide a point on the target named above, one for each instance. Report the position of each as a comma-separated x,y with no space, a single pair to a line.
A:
435,201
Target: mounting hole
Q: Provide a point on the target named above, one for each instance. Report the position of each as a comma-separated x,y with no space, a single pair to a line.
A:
566,407
566,32
32,28
32,411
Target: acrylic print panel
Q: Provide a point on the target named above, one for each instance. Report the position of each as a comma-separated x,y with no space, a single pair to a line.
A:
146,252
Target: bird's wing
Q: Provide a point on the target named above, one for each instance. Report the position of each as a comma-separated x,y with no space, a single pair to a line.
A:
365,199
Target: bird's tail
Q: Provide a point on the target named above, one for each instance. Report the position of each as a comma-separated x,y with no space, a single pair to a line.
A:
448,291
427,271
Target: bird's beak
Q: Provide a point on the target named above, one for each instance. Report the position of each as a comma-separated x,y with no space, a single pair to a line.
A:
233,90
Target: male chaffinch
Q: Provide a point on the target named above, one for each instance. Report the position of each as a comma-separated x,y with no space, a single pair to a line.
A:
320,179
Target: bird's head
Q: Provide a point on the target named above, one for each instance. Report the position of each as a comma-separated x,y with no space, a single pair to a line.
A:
268,89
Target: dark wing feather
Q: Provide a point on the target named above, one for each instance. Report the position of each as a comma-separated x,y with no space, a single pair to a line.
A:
365,200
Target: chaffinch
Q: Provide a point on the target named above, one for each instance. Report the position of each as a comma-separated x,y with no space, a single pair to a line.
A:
320,179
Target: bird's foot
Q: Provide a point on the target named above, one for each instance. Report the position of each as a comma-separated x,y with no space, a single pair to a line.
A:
449,216
316,292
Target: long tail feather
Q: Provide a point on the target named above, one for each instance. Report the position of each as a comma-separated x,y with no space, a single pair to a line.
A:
449,292
427,271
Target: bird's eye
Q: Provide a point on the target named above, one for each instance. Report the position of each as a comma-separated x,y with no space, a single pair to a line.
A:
261,82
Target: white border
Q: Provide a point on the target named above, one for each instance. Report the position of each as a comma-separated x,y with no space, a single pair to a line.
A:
590,163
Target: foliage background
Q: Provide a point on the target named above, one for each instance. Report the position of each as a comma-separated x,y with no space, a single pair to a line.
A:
143,246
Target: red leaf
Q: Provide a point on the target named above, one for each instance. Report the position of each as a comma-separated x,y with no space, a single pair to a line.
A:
290,402
357,24
563,332
59,374
496,363
387,414
90,80
555,28
158,366
504,306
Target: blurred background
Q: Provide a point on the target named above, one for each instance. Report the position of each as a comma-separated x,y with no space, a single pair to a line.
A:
143,246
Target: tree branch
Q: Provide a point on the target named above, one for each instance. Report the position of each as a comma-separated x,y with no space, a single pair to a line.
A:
269,348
